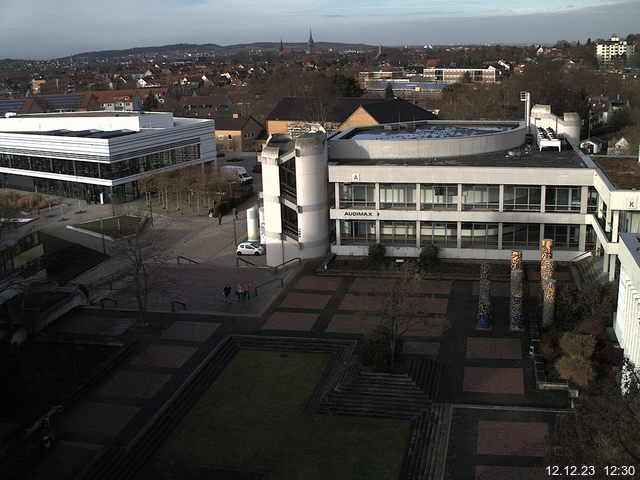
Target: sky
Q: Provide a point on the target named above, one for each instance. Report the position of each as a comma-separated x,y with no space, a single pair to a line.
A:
42,29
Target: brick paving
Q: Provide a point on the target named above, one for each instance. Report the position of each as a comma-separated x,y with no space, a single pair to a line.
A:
494,348
362,303
354,323
493,380
129,384
299,322
512,438
167,356
369,285
498,289
305,300
308,282
484,472
99,419
413,347
190,331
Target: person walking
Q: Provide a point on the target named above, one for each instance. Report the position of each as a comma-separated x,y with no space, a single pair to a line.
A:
226,291
239,293
247,289
235,212
220,217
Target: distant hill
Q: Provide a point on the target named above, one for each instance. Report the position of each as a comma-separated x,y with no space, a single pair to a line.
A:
215,48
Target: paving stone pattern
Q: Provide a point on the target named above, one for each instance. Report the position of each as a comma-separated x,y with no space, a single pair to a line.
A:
512,438
494,348
300,322
493,380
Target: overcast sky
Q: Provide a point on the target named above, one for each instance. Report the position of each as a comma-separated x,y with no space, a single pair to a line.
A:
57,28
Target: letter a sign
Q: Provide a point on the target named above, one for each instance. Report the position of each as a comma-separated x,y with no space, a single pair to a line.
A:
355,177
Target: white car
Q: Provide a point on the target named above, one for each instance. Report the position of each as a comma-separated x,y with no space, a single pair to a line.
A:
247,248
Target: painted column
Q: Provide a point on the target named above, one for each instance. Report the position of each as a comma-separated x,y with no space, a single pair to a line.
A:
516,291
484,299
549,302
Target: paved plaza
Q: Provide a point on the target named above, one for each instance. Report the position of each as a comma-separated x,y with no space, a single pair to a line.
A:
481,370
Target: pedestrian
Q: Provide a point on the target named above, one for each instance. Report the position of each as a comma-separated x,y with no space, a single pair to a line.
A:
220,217
247,289
239,292
226,291
235,212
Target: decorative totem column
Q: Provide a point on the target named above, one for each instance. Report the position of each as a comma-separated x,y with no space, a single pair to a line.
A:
484,300
548,285
515,304
516,260
548,302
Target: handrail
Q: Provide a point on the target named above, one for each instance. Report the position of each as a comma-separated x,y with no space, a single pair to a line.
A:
110,277
238,259
582,256
282,265
113,300
176,302
267,283
185,258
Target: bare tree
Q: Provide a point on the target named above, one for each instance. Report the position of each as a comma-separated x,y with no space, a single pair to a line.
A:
143,261
400,311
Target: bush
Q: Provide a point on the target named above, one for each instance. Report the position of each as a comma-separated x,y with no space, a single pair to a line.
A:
578,346
376,253
429,255
576,369
376,351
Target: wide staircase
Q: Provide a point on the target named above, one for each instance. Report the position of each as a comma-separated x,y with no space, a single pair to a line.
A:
588,269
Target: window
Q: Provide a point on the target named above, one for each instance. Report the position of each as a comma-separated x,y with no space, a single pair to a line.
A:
357,232
522,198
479,235
441,234
398,196
229,137
220,137
562,199
439,197
592,200
480,197
357,195
398,233
565,237
230,148
521,235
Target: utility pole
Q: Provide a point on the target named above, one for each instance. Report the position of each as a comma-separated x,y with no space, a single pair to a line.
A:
104,244
235,235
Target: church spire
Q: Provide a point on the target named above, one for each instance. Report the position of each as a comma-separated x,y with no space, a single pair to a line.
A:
311,43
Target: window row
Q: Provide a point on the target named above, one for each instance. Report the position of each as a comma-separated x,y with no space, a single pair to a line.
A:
472,235
403,196
107,171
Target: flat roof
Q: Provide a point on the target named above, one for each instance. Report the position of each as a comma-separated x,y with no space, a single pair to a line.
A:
521,158
623,172
91,133
430,129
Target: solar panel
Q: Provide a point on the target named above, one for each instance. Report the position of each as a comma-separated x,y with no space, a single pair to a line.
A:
11,105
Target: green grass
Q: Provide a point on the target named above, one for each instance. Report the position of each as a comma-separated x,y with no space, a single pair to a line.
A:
127,226
252,418
65,260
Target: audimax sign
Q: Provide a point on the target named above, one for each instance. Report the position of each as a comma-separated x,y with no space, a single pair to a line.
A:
358,213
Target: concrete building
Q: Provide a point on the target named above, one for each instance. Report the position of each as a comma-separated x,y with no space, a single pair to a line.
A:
614,51
457,75
100,154
475,189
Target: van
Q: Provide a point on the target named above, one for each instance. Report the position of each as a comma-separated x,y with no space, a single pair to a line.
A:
237,173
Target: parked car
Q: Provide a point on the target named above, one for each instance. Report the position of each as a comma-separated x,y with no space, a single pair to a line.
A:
248,248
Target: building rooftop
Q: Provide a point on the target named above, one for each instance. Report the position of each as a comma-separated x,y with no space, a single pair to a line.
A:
521,158
424,130
623,172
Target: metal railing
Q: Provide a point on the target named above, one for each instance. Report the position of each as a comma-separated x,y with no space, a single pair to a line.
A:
185,258
175,303
582,256
238,260
267,283
114,302
285,264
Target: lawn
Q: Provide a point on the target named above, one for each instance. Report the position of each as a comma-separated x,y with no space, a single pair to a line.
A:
65,260
253,418
114,227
